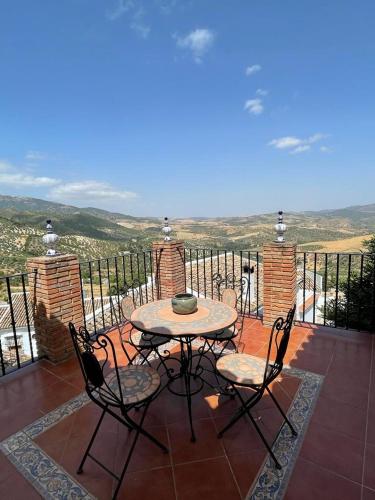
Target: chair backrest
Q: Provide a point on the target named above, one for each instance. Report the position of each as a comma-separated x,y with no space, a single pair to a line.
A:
229,297
127,307
279,337
88,350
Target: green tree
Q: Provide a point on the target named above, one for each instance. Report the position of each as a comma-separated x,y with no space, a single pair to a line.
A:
356,298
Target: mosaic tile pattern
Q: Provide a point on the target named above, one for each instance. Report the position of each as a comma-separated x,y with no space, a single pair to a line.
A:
271,483
150,317
45,475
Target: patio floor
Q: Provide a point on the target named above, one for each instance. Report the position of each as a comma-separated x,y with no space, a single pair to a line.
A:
336,459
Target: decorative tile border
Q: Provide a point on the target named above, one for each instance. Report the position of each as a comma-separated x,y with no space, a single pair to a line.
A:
45,475
271,483
53,482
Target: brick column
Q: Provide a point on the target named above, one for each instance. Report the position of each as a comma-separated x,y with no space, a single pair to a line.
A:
55,291
169,268
279,280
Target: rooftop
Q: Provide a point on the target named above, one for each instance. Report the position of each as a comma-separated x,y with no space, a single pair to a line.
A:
46,420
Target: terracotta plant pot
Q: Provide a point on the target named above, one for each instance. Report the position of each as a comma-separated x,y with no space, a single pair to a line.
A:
184,303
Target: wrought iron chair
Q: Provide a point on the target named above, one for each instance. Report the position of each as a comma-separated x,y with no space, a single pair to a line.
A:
246,371
121,388
228,296
146,345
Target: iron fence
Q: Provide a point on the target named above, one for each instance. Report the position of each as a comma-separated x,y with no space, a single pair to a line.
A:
106,278
202,266
17,335
336,289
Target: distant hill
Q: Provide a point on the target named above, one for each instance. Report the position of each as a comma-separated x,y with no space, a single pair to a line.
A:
91,232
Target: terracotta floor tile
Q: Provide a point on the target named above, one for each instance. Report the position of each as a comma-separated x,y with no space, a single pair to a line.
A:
15,487
207,444
340,417
245,467
6,468
14,418
311,482
54,440
371,423
333,451
55,395
368,494
317,363
345,391
239,438
156,484
369,477
146,454
209,480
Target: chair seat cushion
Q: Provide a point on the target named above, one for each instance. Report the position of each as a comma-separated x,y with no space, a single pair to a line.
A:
140,339
242,368
137,383
225,334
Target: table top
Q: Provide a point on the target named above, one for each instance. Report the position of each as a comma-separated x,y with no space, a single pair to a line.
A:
158,318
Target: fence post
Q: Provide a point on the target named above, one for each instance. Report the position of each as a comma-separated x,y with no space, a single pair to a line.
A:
169,268
55,291
279,280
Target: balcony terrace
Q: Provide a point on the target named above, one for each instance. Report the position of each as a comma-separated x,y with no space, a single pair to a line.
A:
326,386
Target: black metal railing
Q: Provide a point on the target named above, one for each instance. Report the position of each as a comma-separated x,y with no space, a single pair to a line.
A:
336,289
106,278
333,289
203,265
17,336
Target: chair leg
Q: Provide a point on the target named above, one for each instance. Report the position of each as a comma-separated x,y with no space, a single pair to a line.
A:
80,468
139,428
245,410
127,461
294,432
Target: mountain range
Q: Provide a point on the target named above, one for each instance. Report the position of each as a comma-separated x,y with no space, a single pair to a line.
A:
93,232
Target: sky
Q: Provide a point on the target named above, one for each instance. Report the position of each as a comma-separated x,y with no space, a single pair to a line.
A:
188,107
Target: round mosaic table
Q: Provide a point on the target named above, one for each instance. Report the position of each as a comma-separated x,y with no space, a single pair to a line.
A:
158,318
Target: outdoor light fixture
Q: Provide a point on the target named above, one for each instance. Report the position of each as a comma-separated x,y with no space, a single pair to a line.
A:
50,239
280,228
166,230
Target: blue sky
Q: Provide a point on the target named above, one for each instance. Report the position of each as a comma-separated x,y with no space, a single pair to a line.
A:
188,108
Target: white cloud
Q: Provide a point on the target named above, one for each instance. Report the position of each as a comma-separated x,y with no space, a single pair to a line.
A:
251,70
295,144
140,29
254,106
121,8
301,149
135,12
90,191
25,180
198,42
261,92
285,142
35,155
325,149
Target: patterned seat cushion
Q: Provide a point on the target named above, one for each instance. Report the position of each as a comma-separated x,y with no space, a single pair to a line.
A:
225,334
242,368
140,339
137,383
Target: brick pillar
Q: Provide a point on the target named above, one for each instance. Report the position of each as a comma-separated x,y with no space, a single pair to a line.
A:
279,280
55,291
169,268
